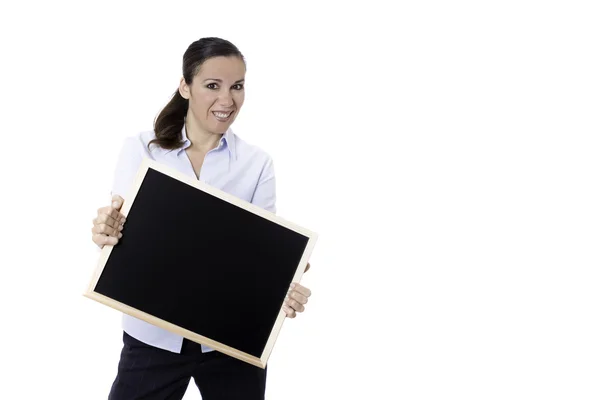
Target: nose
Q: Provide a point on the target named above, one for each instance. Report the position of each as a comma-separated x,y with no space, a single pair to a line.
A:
225,99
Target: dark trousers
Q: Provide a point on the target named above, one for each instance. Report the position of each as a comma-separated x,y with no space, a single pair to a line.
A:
147,372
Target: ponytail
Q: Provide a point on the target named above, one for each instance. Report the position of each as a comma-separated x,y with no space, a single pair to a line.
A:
169,123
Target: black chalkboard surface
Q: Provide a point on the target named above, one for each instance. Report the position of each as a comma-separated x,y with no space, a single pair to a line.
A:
202,263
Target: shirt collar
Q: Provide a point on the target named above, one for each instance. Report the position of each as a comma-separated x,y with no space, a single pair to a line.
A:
186,141
227,140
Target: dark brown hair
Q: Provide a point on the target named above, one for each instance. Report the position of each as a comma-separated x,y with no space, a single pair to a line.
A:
169,122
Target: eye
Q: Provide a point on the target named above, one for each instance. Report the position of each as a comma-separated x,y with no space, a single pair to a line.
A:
212,86
239,86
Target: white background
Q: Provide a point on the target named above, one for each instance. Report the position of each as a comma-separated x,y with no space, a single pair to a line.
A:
447,154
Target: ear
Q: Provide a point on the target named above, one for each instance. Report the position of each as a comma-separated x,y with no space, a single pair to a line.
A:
184,89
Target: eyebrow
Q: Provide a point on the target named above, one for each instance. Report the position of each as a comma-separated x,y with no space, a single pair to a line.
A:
221,81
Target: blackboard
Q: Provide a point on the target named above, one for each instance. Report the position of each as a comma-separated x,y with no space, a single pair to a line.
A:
202,263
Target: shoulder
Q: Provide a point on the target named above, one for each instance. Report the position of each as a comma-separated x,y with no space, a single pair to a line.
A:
137,144
249,152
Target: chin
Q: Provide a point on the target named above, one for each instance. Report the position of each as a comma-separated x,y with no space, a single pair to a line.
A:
222,127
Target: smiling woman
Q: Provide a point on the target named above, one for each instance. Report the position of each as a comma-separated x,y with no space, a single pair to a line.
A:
211,91
214,102
192,134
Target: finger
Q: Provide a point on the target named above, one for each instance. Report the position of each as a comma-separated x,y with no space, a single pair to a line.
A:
108,220
104,229
111,212
299,288
307,267
117,202
102,240
294,305
299,297
114,213
289,312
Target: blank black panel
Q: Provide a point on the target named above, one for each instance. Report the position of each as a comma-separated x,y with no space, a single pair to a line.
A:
201,263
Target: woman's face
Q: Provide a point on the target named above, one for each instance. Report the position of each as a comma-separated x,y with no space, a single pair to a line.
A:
216,94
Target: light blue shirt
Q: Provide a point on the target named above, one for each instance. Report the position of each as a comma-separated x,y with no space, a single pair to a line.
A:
234,166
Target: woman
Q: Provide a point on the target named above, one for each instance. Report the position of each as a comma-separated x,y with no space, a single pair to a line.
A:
192,134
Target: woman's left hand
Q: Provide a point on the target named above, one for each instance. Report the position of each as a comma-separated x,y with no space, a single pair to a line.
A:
296,298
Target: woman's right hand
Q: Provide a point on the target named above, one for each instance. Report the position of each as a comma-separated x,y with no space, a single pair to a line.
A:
109,223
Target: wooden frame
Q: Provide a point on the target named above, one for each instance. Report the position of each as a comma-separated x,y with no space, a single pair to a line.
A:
147,165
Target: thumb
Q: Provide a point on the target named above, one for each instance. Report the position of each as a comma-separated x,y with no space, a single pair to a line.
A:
117,202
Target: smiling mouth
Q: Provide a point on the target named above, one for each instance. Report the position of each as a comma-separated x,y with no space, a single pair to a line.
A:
222,116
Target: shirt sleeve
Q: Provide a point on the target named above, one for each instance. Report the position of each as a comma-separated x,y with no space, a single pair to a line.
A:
264,194
130,158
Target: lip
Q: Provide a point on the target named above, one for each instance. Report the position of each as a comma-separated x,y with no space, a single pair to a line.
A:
229,114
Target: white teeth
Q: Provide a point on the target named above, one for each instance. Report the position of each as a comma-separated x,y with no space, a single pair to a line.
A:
221,115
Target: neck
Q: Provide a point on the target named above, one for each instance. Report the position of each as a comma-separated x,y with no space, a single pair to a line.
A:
200,139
